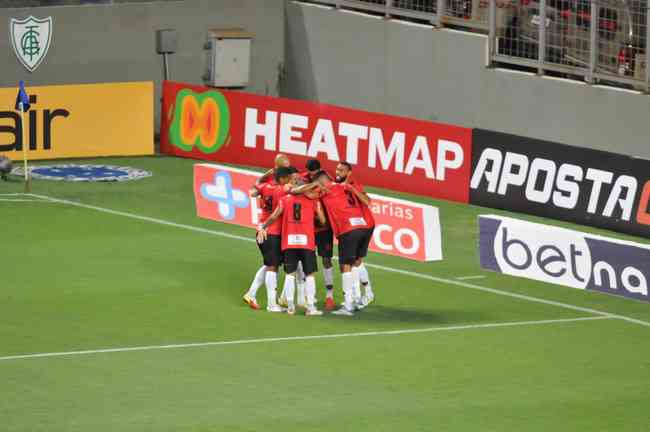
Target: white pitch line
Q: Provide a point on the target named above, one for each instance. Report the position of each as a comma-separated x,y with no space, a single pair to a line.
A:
147,219
27,200
510,294
303,338
464,278
376,266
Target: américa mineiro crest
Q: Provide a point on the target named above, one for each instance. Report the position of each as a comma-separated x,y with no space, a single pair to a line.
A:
31,39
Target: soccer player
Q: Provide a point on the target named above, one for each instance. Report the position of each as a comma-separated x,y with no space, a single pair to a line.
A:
298,213
281,161
270,194
266,181
324,240
359,271
343,204
296,178
312,167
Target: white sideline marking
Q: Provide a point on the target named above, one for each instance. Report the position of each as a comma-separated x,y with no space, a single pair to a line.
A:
376,266
464,278
146,219
303,338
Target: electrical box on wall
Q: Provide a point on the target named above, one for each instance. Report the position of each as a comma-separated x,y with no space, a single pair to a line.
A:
229,57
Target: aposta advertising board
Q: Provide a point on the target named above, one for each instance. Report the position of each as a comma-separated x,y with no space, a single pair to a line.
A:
403,228
398,153
565,257
86,120
585,186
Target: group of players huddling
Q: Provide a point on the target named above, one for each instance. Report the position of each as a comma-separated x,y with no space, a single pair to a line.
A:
302,212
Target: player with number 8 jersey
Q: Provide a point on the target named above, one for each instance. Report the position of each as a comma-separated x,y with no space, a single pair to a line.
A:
298,213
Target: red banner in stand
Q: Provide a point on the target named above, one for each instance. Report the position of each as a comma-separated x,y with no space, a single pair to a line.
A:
406,229
397,153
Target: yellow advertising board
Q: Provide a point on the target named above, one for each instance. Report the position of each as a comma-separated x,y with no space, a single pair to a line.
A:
86,120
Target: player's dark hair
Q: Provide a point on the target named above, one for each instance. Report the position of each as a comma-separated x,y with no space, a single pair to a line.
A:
293,170
313,165
348,165
282,172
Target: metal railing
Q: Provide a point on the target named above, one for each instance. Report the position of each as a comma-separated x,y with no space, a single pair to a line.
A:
610,52
470,14
40,3
598,41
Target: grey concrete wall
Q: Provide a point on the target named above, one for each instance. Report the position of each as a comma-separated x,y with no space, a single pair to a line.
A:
96,43
408,69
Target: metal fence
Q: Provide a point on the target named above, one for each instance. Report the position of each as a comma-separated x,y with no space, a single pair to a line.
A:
600,41
472,14
39,3
611,52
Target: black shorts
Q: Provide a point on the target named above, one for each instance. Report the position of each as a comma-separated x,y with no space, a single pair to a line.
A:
354,245
325,243
272,251
307,257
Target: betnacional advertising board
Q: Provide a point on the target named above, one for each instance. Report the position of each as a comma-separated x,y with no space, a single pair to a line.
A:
564,257
402,154
86,120
542,178
403,228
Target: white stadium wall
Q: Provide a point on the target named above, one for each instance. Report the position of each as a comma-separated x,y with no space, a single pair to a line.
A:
366,62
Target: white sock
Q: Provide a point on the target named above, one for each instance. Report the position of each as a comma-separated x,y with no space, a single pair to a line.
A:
271,281
300,275
300,285
300,291
356,283
310,289
363,276
258,280
348,289
328,275
289,288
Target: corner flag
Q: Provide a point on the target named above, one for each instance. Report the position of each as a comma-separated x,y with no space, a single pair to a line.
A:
22,100
22,105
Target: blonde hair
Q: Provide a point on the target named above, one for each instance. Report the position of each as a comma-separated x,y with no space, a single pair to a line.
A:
281,160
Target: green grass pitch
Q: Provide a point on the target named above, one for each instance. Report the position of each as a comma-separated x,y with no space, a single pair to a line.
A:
74,278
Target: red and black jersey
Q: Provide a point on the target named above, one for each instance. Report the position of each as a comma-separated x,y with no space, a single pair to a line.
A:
320,228
304,175
298,217
270,195
344,210
265,202
367,213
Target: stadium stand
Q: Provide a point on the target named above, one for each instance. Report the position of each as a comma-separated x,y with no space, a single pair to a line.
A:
611,53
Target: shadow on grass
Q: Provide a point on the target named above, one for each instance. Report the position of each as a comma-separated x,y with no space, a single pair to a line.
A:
433,317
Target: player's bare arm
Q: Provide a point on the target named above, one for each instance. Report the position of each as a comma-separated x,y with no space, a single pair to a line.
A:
262,235
308,187
265,177
362,196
